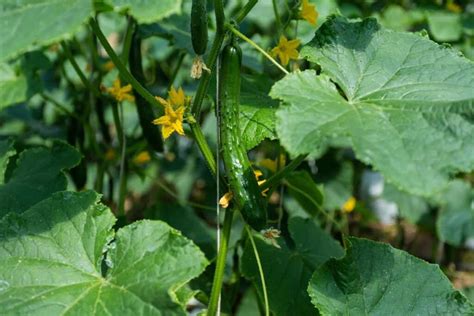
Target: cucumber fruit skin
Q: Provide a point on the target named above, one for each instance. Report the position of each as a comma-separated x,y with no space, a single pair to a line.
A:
199,35
144,110
243,184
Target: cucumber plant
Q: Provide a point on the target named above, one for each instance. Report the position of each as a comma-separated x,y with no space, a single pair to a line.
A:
346,146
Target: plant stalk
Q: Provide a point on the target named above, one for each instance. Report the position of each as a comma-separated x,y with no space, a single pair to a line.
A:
220,264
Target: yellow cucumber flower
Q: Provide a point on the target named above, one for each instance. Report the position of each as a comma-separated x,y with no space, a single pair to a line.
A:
349,205
453,7
225,199
142,158
258,174
121,93
286,50
308,12
174,106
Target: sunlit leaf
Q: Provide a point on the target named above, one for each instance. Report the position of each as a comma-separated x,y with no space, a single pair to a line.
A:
52,261
407,103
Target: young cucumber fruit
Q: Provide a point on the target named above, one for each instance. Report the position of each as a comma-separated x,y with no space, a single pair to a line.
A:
199,26
145,112
243,184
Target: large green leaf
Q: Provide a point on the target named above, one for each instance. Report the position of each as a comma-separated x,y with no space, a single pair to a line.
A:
52,259
37,175
257,111
148,11
376,279
288,270
455,223
28,23
407,103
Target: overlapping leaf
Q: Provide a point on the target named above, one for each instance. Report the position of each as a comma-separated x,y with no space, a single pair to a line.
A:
148,11
376,279
37,175
24,24
455,223
257,111
287,271
51,260
406,103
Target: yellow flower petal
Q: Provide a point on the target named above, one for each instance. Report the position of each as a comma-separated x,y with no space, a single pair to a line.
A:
349,205
162,120
142,158
308,12
162,101
225,199
166,131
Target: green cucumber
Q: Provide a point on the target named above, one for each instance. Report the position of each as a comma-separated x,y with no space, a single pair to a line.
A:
243,184
199,26
145,112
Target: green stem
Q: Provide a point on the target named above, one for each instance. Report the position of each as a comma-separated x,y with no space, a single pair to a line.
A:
176,69
127,41
206,152
273,180
220,16
118,125
78,70
122,69
264,53
245,10
61,107
204,147
277,17
122,175
220,264
178,199
260,271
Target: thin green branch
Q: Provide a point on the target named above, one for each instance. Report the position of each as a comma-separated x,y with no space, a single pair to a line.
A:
78,69
275,179
277,17
260,270
127,41
122,69
220,264
220,16
264,53
245,10
176,69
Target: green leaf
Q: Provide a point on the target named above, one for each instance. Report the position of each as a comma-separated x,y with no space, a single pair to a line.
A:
303,188
411,207
377,279
397,18
185,219
13,87
6,151
257,111
287,270
148,11
455,223
51,258
29,23
37,175
444,26
407,103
